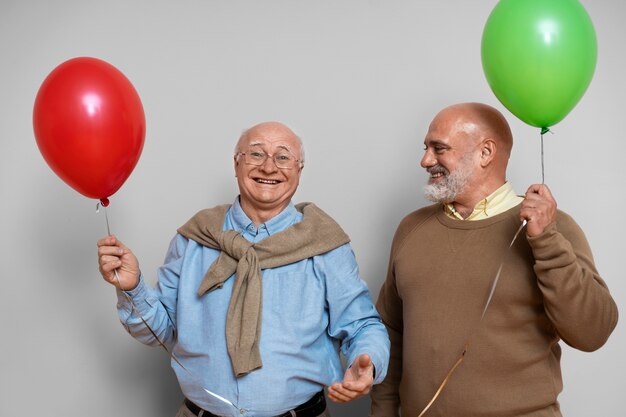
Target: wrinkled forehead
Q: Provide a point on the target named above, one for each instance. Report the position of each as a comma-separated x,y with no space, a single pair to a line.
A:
271,140
452,129
271,146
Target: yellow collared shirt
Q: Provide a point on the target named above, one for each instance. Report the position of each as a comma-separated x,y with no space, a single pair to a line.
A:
501,200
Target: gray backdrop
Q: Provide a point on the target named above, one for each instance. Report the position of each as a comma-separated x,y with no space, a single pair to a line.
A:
358,80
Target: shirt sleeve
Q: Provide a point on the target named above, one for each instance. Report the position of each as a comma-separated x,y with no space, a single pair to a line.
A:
150,313
352,316
576,299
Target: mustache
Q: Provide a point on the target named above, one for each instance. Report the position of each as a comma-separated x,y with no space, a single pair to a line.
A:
437,169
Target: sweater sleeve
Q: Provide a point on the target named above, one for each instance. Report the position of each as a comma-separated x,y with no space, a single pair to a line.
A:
385,396
576,299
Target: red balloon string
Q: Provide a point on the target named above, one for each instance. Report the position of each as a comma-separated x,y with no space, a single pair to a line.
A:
105,202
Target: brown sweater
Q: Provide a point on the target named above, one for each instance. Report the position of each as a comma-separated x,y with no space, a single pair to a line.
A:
439,277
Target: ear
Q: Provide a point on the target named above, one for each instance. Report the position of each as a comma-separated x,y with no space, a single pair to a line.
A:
235,163
487,152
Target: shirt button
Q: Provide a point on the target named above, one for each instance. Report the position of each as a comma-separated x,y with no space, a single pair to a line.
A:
242,411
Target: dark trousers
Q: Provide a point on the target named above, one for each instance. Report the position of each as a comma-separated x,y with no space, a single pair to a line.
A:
183,411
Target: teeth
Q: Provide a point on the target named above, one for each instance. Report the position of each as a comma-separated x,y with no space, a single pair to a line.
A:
266,181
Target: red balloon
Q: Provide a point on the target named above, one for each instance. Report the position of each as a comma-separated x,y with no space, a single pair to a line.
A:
90,125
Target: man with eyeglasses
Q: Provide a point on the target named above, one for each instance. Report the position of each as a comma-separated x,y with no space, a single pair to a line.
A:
483,284
255,299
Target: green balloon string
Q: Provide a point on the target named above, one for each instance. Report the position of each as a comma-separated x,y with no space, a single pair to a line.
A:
544,130
543,171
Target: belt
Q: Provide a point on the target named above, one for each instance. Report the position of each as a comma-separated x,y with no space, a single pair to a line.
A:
312,408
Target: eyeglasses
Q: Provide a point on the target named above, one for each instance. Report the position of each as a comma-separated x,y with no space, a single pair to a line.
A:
283,159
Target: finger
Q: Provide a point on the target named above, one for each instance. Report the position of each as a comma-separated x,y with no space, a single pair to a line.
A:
533,189
341,399
110,251
339,394
105,259
336,399
111,263
352,389
540,205
531,197
110,240
361,385
534,200
361,365
544,191
109,267
533,214
108,276
529,215
540,191
334,395
364,361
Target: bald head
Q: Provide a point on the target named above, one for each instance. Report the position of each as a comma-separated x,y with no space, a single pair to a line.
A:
275,130
478,122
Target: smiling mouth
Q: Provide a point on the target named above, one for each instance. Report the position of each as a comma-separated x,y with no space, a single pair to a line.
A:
436,173
266,181
436,177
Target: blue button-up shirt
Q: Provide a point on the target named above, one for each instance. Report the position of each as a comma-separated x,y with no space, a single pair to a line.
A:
311,309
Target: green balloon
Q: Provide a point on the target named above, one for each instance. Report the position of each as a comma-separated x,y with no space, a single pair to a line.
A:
539,57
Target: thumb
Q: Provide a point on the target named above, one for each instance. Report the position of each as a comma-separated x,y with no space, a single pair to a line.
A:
364,361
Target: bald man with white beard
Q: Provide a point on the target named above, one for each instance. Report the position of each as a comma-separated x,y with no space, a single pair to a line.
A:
437,300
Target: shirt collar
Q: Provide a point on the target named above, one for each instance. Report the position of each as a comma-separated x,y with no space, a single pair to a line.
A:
497,202
238,220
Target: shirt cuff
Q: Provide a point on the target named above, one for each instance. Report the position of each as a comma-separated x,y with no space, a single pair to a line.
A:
377,363
137,296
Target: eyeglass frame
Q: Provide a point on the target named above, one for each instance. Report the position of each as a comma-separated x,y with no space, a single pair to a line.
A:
299,162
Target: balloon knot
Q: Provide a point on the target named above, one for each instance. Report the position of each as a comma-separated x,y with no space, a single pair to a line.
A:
104,202
544,130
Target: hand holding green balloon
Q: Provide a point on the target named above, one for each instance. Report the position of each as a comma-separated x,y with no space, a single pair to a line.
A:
539,57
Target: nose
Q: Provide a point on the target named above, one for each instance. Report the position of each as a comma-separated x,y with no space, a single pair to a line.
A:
428,160
269,165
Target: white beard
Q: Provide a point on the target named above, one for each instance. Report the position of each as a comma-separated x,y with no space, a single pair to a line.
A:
452,184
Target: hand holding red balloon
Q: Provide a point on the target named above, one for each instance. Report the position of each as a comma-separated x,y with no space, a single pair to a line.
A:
90,126
118,265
